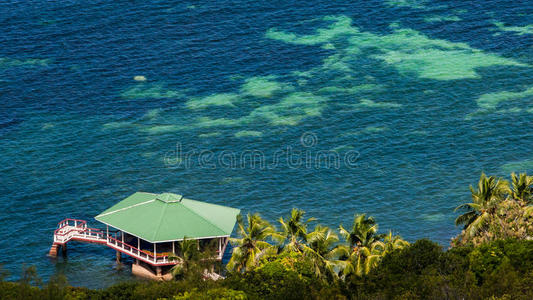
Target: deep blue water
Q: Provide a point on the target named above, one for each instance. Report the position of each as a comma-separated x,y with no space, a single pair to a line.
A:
422,95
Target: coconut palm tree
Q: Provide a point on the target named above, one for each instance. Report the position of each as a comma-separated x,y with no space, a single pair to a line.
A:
521,187
324,251
252,243
365,248
490,192
393,242
362,233
293,233
189,259
360,260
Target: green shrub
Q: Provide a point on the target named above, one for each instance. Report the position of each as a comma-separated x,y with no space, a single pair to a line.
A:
286,276
213,294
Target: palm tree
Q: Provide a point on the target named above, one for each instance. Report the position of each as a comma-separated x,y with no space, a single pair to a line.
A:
189,259
252,243
324,251
363,231
521,187
393,242
365,248
490,192
293,233
362,259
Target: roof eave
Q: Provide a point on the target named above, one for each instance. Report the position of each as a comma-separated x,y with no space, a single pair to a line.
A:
162,241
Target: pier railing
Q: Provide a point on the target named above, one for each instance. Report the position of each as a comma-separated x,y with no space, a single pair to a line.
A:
67,228
138,253
74,229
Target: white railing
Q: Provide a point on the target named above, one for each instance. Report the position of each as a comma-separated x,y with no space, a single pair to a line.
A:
69,229
137,253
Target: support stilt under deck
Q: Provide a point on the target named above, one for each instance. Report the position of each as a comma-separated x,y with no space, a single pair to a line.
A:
64,250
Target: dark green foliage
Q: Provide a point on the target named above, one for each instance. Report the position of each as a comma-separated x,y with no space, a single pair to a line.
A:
423,270
415,259
284,276
12,290
488,257
272,283
414,271
212,294
119,291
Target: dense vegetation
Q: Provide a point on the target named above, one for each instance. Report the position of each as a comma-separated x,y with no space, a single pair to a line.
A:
499,210
492,258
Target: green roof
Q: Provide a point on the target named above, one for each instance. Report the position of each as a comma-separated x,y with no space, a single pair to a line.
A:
169,217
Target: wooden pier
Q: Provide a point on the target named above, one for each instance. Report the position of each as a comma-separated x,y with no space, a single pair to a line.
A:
77,230
149,227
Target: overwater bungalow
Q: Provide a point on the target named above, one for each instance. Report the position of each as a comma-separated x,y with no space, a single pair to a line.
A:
148,227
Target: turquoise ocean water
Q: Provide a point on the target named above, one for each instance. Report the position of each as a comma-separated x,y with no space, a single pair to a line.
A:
386,107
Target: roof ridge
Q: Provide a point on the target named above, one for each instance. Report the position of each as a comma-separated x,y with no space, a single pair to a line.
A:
208,203
124,208
160,221
203,217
